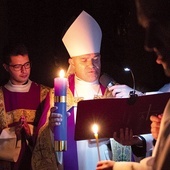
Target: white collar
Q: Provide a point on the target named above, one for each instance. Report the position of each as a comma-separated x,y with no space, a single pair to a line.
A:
18,88
82,82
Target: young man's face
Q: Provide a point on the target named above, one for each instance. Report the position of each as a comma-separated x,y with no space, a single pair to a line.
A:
157,34
87,67
19,69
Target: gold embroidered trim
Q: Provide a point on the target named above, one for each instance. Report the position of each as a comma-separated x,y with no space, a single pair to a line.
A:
3,122
15,115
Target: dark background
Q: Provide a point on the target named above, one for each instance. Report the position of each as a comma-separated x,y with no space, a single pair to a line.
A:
39,24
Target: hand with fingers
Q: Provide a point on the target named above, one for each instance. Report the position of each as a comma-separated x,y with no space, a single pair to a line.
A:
155,125
55,119
123,91
127,138
22,126
120,91
105,165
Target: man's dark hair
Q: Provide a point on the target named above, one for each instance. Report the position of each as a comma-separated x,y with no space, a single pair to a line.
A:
158,9
13,50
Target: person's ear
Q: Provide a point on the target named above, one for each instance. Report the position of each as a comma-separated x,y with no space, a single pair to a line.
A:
71,62
71,67
6,67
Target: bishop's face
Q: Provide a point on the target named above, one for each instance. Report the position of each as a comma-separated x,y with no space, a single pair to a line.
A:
87,67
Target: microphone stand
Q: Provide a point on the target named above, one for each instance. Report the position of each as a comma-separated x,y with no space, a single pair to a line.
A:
132,93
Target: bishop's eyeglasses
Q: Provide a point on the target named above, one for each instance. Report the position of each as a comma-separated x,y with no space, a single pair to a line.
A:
18,67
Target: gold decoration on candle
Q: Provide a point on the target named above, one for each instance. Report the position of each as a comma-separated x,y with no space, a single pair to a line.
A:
60,146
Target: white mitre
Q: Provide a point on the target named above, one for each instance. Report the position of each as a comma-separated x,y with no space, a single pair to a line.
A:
83,36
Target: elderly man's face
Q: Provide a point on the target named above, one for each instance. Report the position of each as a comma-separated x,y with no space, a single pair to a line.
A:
157,32
87,67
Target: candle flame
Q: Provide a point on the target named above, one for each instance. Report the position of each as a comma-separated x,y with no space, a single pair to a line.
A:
95,128
62,73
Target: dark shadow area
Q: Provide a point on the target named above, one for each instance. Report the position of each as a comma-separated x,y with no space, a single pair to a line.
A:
40,25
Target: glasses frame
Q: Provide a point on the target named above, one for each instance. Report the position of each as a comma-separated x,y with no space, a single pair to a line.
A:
18,67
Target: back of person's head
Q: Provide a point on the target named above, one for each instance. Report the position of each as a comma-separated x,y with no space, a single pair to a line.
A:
154,9
154,16
13,50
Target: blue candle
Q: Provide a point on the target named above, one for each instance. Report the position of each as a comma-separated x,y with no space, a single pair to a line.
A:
60,132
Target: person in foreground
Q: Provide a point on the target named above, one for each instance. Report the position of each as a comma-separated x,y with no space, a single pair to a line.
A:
154,16
24,107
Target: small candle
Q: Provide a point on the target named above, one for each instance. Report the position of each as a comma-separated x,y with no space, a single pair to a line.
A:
60,132
95,130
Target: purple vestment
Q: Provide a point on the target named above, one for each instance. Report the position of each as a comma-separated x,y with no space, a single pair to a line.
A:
32,105
70,156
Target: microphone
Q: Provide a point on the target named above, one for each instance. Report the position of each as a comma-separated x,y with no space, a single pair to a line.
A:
131,93
107,81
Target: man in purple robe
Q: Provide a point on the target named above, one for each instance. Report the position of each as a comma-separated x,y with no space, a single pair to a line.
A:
24,110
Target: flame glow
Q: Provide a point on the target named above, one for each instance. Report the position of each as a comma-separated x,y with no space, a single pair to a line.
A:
62,73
